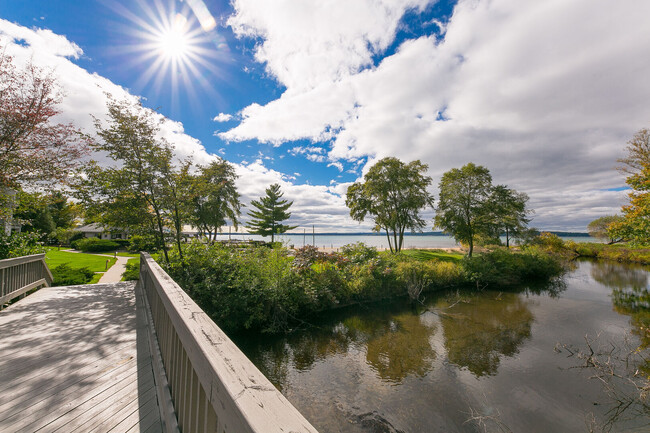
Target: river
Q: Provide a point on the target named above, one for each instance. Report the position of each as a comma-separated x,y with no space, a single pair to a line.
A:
465,362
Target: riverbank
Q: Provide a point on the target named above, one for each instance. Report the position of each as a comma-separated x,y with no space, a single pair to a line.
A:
272,289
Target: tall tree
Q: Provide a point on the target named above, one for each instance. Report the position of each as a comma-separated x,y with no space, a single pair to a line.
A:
215,198
635,226
463,209
508,212
132,194
271,211
393,194
33,146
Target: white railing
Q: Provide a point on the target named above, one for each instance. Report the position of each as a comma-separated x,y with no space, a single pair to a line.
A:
214,387
22,274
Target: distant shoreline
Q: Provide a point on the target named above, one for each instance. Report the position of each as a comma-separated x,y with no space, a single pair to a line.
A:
309,233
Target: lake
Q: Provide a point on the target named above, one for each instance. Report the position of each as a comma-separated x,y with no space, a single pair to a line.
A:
379,241
495,360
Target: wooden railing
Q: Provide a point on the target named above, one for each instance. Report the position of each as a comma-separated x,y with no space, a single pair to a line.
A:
22,274
214,386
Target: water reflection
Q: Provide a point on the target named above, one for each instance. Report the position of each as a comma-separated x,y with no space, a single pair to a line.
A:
401,347
630,295
480,329
396,343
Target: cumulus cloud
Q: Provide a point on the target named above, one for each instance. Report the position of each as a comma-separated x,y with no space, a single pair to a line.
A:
545,94
223,117
85,92
85,95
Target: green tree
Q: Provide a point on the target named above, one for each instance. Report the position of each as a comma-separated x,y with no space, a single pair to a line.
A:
133,194
271,211
463,208
508,210
635,225
600,228
215,198
33,213
393,194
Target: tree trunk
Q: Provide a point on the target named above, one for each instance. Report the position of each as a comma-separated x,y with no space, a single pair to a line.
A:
507,238
388,237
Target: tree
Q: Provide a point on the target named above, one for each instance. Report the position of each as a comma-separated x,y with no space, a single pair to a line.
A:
271,211
508,210
33,146
635,225
393,194
215,198
133,195
463,207
600,228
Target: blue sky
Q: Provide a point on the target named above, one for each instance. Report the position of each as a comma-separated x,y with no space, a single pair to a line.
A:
309,93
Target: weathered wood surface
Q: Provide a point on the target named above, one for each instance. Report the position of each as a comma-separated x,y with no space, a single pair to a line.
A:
77,359
21,274
214,386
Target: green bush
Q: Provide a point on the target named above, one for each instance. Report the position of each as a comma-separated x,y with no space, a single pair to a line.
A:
65,275
20,244
138,243
95,245
503,268
359,252
132,271
264,288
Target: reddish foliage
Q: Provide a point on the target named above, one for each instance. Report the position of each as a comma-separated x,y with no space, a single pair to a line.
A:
33,147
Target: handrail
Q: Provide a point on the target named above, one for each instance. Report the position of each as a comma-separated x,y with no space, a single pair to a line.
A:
214,386
22,274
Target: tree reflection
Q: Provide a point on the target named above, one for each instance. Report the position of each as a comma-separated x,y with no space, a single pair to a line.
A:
630,296
400,348
482,328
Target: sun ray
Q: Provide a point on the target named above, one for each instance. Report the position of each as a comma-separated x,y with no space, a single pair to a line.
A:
174,52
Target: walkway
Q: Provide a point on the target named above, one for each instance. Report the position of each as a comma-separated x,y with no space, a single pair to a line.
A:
114,273
77,359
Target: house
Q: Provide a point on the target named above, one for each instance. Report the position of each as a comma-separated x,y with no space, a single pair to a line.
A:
96,230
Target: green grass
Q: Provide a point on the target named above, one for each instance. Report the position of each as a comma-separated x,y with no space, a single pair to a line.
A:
124,254
95,263
439,255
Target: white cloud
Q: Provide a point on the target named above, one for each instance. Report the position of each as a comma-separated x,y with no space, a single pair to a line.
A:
85,92
223,117
336,164
545,94
306,42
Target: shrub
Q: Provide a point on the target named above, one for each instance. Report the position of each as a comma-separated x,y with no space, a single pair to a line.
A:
95,245
359,252
20,244
132,271
138,243
65,275
505,268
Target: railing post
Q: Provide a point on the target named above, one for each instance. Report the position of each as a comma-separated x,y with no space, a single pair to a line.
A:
214,387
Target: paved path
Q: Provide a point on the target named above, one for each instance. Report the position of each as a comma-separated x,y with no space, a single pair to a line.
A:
114,273
77,359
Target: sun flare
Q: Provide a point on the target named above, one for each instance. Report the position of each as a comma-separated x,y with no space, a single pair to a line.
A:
174,41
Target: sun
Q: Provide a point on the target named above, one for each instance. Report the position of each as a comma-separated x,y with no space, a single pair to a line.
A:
174,42
174,47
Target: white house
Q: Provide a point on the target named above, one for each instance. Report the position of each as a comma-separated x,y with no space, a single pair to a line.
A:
96,230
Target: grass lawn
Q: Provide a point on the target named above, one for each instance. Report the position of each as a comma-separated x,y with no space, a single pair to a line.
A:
124,254
440,255
54,258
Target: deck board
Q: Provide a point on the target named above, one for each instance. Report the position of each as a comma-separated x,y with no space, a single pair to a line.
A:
77,359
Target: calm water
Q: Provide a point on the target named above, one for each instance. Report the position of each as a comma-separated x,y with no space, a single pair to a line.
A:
393,367
379,241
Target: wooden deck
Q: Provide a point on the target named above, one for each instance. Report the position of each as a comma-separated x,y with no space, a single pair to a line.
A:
77,359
